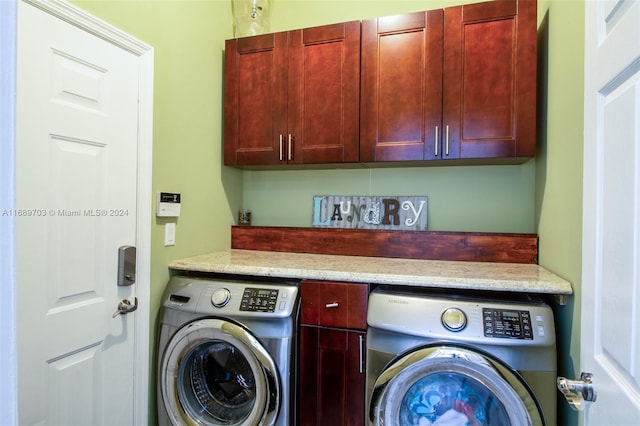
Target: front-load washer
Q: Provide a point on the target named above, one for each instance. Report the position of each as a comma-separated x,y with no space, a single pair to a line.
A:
436,358
227,352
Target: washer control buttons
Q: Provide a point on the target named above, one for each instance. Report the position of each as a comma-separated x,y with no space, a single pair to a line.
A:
220,297
507,323
453,319
259,299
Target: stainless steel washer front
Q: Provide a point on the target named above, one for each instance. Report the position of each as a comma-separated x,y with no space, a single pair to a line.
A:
439,358
214,371
451,384
227,352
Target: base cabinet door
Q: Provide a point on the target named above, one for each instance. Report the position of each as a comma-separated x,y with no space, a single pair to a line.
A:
332,380
332,353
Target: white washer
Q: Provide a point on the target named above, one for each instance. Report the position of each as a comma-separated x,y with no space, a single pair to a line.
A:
439,358
227,352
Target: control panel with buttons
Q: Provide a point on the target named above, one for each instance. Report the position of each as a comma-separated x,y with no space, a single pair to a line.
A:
514,320
259,299
513,324
234,297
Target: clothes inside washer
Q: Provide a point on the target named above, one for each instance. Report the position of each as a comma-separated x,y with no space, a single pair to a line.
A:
451,399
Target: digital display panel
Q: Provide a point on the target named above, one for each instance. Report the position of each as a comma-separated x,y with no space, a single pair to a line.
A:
509,324
259,300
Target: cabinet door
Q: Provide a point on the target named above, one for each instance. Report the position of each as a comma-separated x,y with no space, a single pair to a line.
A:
324,94
401,102
332,377
254,99
489,100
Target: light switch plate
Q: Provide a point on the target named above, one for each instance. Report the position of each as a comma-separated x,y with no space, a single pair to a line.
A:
170,234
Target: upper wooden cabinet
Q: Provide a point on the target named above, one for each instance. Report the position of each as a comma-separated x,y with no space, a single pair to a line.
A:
455,83
452,84
401,83
293,97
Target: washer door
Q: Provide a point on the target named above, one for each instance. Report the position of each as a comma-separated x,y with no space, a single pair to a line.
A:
215,372
452,385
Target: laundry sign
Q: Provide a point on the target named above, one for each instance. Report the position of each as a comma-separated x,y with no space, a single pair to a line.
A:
370,212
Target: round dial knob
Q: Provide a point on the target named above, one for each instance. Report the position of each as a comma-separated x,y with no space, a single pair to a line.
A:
220,297
453,319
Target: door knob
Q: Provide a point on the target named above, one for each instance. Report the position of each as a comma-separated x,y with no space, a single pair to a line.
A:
125,307
578,392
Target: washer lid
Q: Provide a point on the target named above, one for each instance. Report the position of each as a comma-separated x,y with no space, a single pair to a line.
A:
450,384
215,372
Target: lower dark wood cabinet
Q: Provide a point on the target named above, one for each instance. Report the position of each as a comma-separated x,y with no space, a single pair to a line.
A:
332,376
332,353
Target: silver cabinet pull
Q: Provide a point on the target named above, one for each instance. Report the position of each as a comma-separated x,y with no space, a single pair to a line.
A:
361,353
435,143
332,305
281,148
290,148
446,144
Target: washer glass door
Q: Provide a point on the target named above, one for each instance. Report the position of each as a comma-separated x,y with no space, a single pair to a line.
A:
215,379
444,385
215,372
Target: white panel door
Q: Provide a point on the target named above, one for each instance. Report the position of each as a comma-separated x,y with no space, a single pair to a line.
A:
76,176
611,228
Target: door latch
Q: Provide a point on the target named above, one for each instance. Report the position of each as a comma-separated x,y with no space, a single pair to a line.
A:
125,307
578,392
126,265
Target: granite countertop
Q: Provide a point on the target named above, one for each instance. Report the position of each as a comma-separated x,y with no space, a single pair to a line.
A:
512,277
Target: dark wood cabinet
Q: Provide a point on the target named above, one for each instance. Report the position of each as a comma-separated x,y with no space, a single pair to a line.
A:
401,86
489,97
457,83
332,353
254,98
454,83
293,97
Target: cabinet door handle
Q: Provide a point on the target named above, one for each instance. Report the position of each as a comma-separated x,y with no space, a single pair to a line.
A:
435,143
361,353
281,148
446,144
290,148
332,305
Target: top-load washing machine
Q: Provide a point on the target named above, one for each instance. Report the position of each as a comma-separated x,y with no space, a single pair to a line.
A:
227,352
435,358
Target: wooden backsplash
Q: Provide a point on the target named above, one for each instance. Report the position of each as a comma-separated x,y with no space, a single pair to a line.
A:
433,245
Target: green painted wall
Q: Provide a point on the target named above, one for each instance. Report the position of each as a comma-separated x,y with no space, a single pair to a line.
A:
479,198
559,168
542,195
